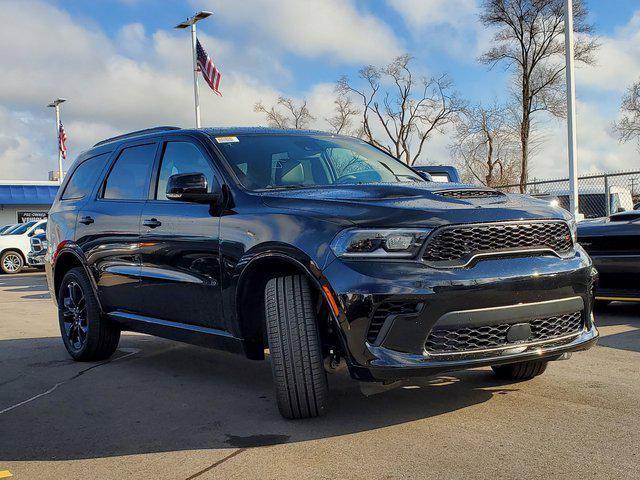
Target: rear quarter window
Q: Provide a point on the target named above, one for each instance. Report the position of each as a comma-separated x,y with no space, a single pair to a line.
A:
84,177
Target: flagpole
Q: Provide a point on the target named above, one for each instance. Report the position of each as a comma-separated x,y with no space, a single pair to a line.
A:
56,105
191,22
571,110
196,88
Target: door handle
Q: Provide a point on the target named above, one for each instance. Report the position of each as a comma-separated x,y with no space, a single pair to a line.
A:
152,223
86,220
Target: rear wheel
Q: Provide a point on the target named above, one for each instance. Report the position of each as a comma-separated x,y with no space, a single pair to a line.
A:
520,370
11,262
87,335
295,348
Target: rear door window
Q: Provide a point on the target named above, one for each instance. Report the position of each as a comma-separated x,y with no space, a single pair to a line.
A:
84,177
129,178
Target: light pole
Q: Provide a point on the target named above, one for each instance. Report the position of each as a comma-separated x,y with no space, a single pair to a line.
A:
571,109
191,22
56,105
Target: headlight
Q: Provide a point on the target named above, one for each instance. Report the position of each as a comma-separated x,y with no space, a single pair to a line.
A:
379,243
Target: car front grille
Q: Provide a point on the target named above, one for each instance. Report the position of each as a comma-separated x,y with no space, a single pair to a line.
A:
469,339
387,309
470,193
456,245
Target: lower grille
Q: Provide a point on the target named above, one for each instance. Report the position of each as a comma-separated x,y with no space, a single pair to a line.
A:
387,309
468,339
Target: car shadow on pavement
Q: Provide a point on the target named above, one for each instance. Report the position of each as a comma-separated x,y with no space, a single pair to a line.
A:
35,285
620,314
168,397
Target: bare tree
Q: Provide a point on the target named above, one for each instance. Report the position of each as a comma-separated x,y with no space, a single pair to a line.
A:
407,112
530,42
628,127
286,114
345,112
485,143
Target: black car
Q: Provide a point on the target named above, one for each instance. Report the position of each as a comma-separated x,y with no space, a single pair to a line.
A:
614,246
320,248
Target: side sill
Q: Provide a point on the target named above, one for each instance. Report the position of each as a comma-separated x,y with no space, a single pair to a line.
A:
180,332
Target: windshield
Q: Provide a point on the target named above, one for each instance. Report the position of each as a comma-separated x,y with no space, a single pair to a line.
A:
21,228
286,161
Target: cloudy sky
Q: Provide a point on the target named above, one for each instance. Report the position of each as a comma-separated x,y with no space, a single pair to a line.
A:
122,67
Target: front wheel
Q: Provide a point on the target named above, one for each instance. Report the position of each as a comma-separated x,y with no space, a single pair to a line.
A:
87,335
520,370
295,348
11,262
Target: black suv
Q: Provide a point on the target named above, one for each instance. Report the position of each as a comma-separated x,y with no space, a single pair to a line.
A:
320,248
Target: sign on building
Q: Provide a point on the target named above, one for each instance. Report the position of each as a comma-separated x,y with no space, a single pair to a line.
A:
30,216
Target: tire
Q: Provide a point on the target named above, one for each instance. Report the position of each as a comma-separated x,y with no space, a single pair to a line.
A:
521,370
87,335
11,262
295,348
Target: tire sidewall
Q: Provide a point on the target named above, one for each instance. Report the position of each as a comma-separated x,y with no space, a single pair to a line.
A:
92,313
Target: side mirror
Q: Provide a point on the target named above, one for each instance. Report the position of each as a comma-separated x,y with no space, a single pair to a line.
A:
190,187
39,231
425,175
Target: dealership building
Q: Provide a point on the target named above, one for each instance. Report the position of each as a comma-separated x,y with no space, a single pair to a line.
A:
23,201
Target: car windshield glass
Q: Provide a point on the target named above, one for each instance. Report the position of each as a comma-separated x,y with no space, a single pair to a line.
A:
22,228
290,161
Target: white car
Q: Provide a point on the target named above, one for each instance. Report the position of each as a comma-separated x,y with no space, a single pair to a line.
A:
15,245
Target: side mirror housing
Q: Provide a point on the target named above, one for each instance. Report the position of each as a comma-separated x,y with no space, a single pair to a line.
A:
39,231
190,187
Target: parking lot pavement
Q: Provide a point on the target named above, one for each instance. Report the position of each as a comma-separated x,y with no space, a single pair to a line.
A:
160,409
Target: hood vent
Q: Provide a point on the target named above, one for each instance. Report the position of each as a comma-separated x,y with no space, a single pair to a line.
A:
470,193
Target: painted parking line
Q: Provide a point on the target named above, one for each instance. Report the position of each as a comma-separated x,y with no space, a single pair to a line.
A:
5,474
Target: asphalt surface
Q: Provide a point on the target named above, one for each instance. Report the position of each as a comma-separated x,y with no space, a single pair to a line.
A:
160,410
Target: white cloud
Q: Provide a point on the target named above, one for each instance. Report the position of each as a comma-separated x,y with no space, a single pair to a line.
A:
449,25
334,29
112,86
618,60
598,148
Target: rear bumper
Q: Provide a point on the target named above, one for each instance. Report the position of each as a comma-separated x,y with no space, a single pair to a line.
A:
497,291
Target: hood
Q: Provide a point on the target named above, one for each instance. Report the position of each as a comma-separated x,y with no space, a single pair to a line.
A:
418,204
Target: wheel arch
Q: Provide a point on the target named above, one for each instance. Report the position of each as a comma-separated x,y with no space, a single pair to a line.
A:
18,250
249,300
65,260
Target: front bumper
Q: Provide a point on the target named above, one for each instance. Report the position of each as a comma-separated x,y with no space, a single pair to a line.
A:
526,287
35,260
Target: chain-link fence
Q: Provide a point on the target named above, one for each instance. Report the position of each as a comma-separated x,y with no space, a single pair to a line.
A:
598,195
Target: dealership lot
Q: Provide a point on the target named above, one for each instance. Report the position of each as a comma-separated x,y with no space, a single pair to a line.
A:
160,409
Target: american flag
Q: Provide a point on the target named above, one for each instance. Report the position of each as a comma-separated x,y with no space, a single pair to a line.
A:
62,138
209,71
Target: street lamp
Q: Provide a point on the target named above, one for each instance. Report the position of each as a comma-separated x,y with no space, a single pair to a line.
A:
56,104
191,22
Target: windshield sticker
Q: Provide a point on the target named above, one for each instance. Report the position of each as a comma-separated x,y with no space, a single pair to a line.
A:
227,139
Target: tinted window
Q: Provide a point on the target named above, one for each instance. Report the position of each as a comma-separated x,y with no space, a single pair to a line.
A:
275,161
182,157
129,177
83,178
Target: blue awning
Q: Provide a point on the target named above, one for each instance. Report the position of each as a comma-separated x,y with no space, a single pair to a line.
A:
27,194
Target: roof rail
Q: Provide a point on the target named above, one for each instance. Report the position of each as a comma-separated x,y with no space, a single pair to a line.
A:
146,131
